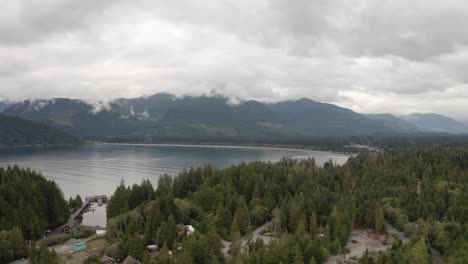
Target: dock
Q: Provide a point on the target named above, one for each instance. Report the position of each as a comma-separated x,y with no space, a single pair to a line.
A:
88,200
73,221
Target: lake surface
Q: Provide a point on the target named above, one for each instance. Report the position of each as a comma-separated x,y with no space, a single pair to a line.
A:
98,169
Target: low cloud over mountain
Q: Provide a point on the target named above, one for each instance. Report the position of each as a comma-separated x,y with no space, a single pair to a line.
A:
166,115
398,57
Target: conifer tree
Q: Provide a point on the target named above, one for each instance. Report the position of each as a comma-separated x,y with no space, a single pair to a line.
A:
242,216
235,246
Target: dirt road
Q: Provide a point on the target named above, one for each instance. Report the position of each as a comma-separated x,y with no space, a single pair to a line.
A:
255,235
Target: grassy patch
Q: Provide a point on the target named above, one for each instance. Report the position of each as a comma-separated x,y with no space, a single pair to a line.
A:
55,239
95,247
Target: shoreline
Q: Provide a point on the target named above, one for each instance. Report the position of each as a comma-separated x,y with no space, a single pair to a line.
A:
295,148
41,145
226,145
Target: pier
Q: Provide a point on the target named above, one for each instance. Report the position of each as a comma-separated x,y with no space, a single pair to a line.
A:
73,221
88,200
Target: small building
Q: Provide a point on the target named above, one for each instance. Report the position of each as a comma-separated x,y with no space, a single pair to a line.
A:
100,232
130,260
152,248
189,230
97,199
69,226
108,260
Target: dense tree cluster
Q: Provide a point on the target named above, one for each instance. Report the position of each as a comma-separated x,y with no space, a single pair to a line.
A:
42,255
29,205
12,245
126,198
313,209
75,203
30,201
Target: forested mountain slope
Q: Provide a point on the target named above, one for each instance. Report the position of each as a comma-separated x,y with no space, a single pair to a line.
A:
395,123
325,119
17,131
4,105
436,123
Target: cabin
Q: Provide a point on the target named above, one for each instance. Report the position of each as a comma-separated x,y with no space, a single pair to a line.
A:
107,260
69,226
189,230
130,260
152,250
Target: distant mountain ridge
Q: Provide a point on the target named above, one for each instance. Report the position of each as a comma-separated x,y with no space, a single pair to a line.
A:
395,123
17,131
4,105
431,122
165,115
315,118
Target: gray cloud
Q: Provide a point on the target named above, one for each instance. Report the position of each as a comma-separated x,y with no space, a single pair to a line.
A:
391,56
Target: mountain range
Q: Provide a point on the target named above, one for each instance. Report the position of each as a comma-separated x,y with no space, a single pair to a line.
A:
165,115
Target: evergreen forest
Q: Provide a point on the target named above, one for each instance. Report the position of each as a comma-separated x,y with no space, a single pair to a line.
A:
29,205
311,210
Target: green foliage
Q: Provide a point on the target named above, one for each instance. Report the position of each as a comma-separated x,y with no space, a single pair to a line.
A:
12,245
29,205
126,199
242,216
55,240
313,209
419,253
42,256
82,232
416,251
75,203
30,202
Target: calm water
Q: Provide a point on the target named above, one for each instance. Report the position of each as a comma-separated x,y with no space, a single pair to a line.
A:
98,169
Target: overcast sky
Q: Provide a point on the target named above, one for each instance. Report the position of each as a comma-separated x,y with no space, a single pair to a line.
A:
395,56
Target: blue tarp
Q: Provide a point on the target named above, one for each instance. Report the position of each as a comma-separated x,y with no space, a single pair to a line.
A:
79,247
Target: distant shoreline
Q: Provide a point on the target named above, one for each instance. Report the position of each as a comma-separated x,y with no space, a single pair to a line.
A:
40,145
296,148
226,146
